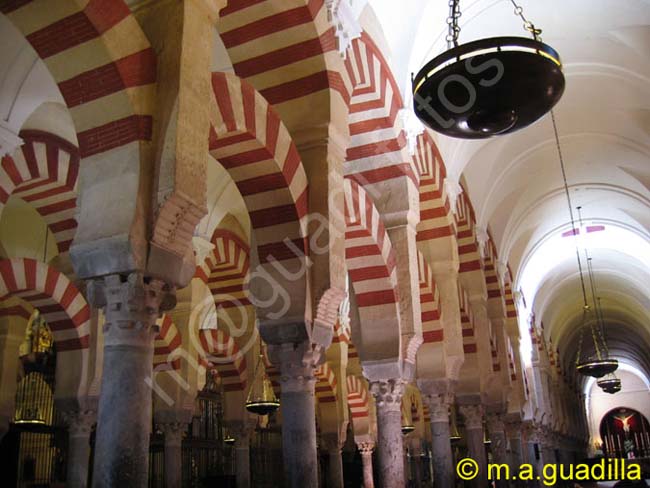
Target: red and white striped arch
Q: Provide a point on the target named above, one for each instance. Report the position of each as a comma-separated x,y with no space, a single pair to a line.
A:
368,253
377,150
60,303
511,310
436,220
167,341
468,250
357,398
494,351
225,270
432,329
340,333
43,172
17,309
512,367
221,353
467,322
325,389
253,145
492,279
102,63
284,48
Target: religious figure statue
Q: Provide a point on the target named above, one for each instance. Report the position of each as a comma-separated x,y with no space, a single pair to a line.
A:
625,421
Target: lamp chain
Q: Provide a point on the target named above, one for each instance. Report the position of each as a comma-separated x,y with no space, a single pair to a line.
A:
568,197
452,22
528,25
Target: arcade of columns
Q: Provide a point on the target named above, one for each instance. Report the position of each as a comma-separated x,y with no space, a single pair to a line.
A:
279,194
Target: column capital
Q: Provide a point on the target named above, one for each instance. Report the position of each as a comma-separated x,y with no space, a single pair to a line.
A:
297,363
388,393
473,415
513,429
332,442
495,422
80,422
132,304
438,404
173,432
366,448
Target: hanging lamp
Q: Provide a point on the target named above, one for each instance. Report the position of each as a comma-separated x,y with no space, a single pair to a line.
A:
261,399
407,421
599,364
610,384
488,87
486,435
454,434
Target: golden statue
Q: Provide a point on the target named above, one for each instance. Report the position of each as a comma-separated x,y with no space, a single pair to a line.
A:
38,336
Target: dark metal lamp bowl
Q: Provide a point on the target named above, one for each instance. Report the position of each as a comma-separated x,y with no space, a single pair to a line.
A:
488,87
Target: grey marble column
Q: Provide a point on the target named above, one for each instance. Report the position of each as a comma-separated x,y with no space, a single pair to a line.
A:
515,457
131,307
496,428
390,449
366,449
298,412
443,460
547,440
173,432
331,442
80,424
473,415
242,459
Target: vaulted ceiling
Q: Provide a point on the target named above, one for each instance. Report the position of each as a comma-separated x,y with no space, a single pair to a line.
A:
515,181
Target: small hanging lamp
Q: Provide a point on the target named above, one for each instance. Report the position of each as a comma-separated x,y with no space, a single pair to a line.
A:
610,384
407,422
407,429
486,435
488,87
228,439
599,364
454,434
261,399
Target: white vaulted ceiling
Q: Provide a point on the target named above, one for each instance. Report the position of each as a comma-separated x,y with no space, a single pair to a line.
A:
515,182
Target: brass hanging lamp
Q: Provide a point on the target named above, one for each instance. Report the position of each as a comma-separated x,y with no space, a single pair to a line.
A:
610,384
486,435
407,422
261,399
599,364
488,87
454,434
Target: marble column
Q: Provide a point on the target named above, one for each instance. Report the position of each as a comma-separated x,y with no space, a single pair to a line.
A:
131,306
333,445
173,432
473,415
443,460
515,458
496,428
547,447
242,458
390,449
80,424
366,449
297,383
